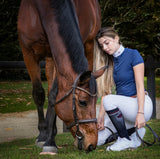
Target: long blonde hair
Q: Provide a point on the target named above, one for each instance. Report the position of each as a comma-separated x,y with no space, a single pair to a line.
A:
105,82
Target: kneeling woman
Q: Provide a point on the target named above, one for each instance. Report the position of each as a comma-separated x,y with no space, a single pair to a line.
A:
131,106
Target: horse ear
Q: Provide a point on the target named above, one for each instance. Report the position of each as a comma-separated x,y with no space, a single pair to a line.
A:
99,72
85,77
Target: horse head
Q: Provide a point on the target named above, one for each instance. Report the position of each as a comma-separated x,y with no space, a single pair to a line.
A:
79,113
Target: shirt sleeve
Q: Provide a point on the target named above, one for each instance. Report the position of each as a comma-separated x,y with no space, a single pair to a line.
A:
137,58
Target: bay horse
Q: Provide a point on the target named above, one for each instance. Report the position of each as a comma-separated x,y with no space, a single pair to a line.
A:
62,32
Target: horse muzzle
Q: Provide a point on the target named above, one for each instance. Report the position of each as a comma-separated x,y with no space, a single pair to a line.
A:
79,142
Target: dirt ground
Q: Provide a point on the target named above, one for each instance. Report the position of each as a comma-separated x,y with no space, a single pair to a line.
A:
21,125
24,125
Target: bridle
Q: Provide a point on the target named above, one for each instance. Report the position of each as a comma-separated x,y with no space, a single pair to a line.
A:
76,121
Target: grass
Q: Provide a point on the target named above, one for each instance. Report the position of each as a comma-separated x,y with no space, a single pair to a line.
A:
25,149
157,87
157,81
17,96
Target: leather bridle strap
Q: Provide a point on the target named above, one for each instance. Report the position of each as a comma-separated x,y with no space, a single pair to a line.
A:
93,95
68,93
75,87
94,120
72,90
154,134
76,122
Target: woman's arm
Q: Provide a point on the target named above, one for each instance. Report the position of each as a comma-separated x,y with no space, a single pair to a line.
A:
101,116
139,79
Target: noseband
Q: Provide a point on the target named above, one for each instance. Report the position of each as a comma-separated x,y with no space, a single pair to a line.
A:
76,122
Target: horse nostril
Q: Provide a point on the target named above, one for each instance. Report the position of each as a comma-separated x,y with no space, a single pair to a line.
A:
90,148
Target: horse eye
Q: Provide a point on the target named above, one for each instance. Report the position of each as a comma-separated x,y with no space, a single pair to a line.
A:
82,103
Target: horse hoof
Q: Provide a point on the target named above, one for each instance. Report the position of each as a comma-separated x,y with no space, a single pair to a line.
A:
51,149
48,153
39,143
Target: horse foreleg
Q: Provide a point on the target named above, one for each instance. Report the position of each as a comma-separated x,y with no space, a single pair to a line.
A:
38,93
50,145
50,75
50,72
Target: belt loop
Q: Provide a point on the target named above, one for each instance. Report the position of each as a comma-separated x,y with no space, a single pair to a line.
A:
146,93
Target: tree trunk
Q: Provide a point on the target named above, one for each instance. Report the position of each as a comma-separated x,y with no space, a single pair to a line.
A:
150,72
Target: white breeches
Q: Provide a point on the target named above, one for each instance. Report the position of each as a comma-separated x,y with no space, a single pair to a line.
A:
129,109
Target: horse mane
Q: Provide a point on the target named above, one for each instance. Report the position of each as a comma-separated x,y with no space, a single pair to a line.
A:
69,31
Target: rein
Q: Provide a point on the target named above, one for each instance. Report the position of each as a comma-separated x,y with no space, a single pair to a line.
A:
154,134
114,136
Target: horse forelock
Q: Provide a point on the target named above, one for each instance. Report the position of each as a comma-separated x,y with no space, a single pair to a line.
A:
92,85
69,31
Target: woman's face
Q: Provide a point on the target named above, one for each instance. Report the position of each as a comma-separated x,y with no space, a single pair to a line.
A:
108,44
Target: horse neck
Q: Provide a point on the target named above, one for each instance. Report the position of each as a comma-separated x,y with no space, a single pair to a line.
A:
65,73
61,27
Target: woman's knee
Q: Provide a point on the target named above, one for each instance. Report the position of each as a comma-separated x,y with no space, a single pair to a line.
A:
148,108
108,102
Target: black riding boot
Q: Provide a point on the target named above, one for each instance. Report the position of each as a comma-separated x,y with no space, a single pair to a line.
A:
118,121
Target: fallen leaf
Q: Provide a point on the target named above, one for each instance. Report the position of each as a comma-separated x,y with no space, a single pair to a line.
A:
9,129
48,153
25,148
2,105
7,98
28,103
101,150
146,150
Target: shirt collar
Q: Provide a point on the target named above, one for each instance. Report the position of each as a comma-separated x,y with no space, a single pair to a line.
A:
119,51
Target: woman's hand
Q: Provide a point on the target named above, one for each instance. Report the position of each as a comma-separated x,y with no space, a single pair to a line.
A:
140,120
100,123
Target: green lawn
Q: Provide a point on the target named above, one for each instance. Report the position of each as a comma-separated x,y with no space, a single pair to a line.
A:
157,85
17,96
25,149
